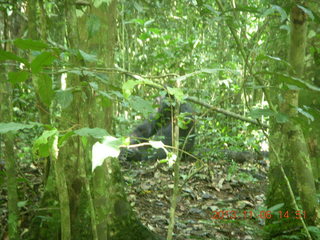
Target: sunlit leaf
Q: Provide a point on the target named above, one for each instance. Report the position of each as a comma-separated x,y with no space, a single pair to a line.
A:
110,147
41,146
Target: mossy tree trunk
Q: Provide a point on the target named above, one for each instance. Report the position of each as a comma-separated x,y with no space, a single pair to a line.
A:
115,218
288,147
6,115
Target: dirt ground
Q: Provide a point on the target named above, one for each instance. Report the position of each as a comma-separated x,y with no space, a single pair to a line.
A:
224,200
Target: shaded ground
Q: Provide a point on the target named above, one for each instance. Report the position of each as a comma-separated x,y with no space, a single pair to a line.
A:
221,186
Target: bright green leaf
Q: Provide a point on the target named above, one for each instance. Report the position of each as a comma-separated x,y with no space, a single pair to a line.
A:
22,204
44,59
18,77
4,55
97,3
41,146
46,92
177,93
128,87
28,44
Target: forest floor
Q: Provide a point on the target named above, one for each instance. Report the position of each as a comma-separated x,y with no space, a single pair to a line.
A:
225,200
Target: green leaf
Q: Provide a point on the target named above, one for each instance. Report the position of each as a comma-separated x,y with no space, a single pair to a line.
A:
97,3
64,138
12,126
110,147
315,231
44,59
137,20
271,58
28,44
18,77
128,87
46,92
285,78
138,6
276,207
92,132
307,12
275,9
177,93
281,118
141,105
4,55
22,204
64,98
88,57
41,146
306,114
258,113
244,8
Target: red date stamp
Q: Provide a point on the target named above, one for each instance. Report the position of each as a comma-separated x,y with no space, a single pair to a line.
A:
233,214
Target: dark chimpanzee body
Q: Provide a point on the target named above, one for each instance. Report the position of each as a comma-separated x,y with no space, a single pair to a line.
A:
160,127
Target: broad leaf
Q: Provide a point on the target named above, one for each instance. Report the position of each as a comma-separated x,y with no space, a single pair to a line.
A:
64,98
46,92
41,146
4,55
110,147
257,113
141,105
28,44
91,132
88,57
12,126
44,59
275,9
18,77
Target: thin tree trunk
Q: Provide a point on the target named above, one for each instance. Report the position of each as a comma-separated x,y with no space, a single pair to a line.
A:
6,115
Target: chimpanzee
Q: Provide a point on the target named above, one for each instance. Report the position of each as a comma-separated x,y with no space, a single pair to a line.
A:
186,138
159,126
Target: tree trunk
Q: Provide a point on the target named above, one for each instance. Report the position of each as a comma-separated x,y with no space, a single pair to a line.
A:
288,147
115,218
